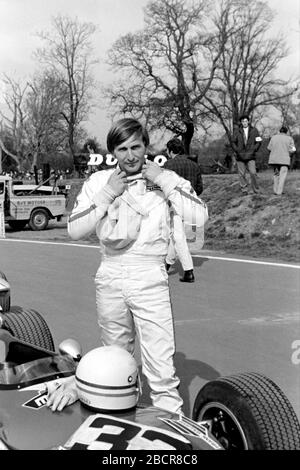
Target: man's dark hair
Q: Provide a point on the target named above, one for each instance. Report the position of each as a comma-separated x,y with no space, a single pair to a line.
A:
175,146
244,116
283,130
123,130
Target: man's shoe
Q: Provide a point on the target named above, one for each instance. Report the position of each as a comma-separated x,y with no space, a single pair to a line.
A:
188,276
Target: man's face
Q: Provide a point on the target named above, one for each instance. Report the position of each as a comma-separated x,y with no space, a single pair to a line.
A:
245,122
131,154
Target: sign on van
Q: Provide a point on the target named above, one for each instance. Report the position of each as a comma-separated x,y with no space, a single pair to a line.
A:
97,159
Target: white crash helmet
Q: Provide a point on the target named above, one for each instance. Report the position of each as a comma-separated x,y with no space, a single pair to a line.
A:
107,379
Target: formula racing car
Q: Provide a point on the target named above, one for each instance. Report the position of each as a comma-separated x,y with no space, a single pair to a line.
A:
238,412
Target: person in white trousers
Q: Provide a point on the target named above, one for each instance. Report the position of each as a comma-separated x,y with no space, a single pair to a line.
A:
129,209
281,147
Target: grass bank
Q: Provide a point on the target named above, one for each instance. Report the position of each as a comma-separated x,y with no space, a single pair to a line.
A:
263,225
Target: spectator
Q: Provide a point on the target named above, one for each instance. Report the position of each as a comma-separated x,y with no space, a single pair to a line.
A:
246,142
129,209
189,170
281,147
183,165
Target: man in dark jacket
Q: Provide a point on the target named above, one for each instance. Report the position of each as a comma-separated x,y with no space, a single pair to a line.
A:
183,166
190,171
246,142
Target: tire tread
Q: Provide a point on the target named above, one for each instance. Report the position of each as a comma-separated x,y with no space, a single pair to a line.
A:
29,325
271,409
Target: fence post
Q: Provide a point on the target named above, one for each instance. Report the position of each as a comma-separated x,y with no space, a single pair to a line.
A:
2,221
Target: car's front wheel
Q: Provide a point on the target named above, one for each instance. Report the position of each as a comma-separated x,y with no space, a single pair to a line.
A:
28,325
248,411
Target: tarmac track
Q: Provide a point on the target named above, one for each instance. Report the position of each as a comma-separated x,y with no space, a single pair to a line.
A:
237,316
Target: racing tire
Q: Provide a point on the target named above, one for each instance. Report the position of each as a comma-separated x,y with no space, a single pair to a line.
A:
17,224
39,219
248,411
28,325
4,296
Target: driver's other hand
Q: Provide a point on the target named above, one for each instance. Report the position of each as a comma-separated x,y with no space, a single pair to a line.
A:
64,395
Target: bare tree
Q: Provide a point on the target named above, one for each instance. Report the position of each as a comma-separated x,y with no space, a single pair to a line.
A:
289,109
245,79
167,68
44,127
15,116
68,55
4,149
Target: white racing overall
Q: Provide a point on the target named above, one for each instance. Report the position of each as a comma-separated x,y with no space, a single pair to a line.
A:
132,292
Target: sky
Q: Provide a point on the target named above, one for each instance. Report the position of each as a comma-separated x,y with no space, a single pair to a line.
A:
20,20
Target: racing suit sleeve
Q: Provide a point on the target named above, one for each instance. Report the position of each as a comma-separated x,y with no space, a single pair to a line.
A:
183,198
90,206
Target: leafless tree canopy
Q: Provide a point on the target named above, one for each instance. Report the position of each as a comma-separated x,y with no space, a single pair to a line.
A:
14,121
169,66
244,80
196,63
44,127
45,114
289,108
68,56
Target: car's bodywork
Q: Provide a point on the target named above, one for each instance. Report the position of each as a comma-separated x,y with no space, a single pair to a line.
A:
27,423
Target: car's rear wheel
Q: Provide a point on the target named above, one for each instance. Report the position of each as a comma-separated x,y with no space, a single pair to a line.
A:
4,294
248,411
39,219
28,325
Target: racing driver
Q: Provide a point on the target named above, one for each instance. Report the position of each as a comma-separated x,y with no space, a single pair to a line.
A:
128,207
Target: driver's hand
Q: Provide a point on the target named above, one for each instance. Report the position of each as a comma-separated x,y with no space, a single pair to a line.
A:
117,181
151,170
64,395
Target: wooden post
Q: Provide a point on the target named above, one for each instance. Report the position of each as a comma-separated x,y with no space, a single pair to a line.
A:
2,220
